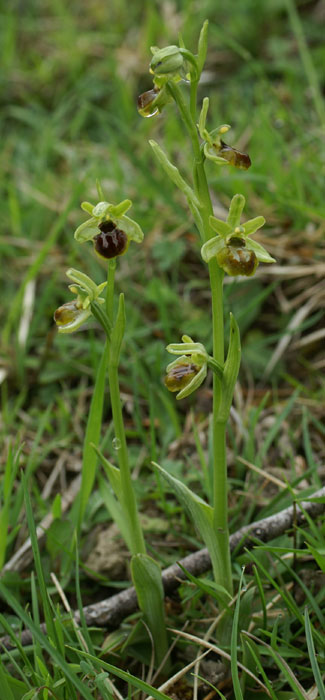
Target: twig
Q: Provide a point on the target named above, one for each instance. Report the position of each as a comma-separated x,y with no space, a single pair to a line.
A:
111,611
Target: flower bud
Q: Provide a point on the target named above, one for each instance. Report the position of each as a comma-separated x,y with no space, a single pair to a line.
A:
111,241
167,61
234,157
145,104
180,375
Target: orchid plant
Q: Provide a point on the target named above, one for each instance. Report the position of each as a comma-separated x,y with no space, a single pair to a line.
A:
226,248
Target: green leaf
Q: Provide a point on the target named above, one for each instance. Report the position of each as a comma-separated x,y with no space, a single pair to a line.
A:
94,422
46,644
174,174
146,577
202,46
202,516
235,210
312,656
233,645
125,676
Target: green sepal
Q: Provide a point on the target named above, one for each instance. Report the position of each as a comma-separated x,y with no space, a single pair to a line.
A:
260,252
117,333
120,209
201,515
202,46
147,581
87,230
230,372
202,118
131,228
88,207
235,210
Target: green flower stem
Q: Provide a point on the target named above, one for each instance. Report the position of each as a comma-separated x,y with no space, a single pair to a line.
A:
220,495
128,497
110,288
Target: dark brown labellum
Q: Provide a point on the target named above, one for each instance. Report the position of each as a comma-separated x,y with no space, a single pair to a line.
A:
234,157
109,244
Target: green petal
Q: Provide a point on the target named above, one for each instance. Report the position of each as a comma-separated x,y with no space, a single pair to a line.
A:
253,225
119,209
221,227
211,248
86,206
260,252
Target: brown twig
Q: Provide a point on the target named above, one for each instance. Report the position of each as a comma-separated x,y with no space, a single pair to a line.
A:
111,611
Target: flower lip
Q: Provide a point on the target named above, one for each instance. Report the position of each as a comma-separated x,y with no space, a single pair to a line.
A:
234,157
111,242
180,375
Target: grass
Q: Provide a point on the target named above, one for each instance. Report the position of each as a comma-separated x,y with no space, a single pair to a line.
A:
71,75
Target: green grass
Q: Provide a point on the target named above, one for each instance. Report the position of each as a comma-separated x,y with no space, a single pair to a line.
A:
71,73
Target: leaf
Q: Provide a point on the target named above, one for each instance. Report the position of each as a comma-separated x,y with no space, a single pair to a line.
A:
146,577
89,457
174,174
312,656
202,516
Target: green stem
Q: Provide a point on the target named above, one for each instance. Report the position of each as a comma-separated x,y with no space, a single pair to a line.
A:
220,495
128,501
110,288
